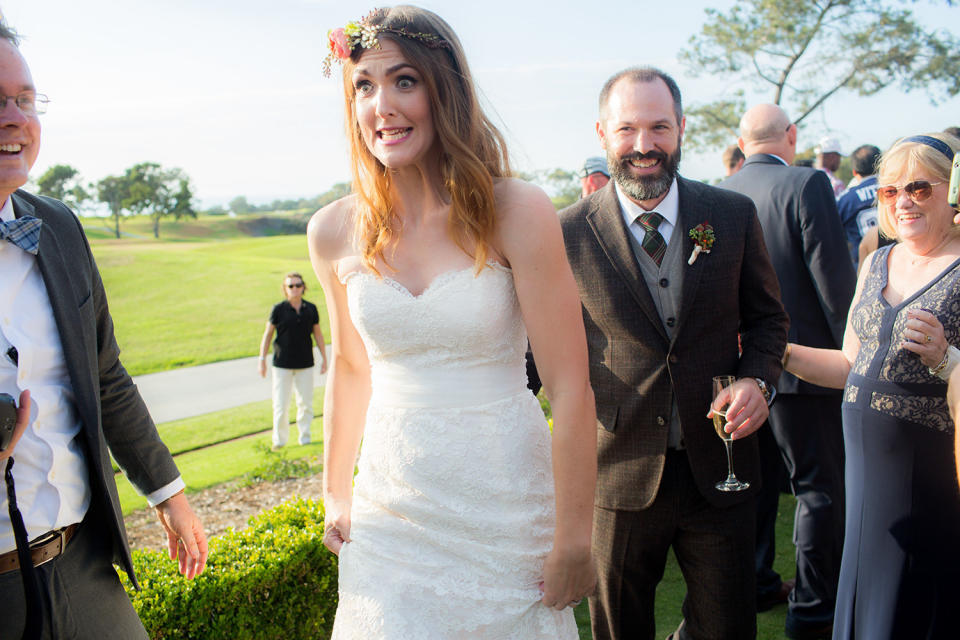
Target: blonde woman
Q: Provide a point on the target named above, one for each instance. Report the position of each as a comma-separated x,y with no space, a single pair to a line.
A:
467,518
900,573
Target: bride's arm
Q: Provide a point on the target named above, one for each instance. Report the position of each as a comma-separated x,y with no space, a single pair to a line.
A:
529,236
348,376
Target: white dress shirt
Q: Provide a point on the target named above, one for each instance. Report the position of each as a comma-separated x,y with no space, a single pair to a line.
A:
50,469
669,210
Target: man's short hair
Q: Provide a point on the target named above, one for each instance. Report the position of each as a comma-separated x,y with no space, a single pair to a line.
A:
642,74
732,156
9,34
864,159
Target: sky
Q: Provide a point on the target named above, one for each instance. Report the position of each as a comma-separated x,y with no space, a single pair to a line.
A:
231,91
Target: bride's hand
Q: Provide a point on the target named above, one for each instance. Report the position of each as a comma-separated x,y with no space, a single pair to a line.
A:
336,526
568,577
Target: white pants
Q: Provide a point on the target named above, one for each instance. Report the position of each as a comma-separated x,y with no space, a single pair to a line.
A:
284,381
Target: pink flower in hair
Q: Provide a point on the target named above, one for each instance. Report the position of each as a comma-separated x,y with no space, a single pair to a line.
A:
339,45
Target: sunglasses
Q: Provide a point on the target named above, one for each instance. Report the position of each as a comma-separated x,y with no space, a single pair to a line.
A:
918,190
295,286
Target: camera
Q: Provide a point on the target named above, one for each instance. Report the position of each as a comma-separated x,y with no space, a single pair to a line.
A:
8,419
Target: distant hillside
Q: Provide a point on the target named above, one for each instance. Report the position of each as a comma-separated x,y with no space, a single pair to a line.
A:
201,229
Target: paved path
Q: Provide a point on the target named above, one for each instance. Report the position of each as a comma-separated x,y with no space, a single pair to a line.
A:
193,391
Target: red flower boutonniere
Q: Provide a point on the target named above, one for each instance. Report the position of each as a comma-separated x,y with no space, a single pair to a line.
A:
703,239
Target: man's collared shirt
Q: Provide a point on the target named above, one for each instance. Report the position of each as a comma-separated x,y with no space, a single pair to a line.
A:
50,469
669,209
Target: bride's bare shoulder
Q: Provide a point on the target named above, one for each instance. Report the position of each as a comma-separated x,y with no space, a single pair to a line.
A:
330,231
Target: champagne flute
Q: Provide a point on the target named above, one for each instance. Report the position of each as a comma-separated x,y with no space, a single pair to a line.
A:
719,422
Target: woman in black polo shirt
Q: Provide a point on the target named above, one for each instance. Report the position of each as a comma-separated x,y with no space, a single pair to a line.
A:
294,321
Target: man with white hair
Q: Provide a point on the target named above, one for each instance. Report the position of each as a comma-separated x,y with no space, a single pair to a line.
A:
802,233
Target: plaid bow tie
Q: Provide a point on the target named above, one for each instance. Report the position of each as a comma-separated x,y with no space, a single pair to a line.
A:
23,232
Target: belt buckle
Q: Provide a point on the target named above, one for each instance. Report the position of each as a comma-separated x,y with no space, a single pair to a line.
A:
46,539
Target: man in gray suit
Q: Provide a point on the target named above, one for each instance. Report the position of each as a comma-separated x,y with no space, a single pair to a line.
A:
807,245
661,320
57,342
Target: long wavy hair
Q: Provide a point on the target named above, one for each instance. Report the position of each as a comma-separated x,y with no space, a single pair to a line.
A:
906,157
473,150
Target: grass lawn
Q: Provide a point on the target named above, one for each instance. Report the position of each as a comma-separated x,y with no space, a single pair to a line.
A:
177,304
233,459
202,228
243,437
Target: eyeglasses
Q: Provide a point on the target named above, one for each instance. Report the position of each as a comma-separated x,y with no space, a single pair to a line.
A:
30,104
296,285
918,190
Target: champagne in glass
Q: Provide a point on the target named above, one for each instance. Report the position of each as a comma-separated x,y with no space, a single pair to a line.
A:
719,422
721,383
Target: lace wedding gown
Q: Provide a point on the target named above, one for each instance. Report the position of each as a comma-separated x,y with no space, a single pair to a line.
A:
453,505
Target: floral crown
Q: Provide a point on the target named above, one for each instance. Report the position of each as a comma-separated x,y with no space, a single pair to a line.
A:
342,41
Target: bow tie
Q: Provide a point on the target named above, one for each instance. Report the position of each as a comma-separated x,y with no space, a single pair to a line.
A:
23,232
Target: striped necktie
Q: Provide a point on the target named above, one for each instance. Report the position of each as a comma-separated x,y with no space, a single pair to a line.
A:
23,232
653,243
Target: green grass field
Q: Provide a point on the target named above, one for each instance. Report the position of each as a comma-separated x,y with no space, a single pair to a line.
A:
178,303
218,447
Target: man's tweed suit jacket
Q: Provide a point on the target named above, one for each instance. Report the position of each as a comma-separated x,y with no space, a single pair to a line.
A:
635,369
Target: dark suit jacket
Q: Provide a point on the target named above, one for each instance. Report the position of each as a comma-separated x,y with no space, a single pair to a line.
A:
807,244
635,369
113,414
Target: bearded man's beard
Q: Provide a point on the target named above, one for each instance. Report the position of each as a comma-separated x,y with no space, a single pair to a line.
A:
649,187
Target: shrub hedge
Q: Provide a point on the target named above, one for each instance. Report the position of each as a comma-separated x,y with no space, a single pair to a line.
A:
272,580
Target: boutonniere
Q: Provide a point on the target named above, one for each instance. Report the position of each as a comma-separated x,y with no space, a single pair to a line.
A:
703,239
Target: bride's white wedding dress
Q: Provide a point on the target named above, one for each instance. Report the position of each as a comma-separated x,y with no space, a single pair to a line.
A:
453,506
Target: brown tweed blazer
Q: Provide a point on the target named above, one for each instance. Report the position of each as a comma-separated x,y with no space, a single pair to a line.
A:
635,369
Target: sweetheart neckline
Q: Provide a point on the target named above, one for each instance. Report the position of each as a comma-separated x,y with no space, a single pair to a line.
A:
437,280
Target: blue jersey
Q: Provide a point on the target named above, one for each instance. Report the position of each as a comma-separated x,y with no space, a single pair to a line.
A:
858,213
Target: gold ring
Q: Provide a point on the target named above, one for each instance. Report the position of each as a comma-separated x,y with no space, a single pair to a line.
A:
928,338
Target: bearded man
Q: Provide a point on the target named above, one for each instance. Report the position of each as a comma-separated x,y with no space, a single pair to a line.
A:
670,272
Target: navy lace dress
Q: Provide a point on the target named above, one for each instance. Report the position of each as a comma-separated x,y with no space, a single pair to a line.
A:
900,575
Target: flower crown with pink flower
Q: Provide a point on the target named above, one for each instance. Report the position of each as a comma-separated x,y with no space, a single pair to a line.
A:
342,41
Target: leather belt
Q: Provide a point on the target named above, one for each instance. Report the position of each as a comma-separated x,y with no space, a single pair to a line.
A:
44,549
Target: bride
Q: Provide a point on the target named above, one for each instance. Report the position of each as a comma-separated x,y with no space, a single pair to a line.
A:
467,517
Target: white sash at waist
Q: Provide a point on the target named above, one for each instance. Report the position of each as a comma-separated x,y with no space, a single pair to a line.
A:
447,386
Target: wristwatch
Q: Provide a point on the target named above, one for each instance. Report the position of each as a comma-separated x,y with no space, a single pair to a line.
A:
765,389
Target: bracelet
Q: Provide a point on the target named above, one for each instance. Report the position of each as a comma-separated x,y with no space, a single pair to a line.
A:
786,355
951,358
262,358
935,371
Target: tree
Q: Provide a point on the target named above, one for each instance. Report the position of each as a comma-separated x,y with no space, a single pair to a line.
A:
806,51
158,192
335,192
113,190
240,205
561,185
149,189
61,181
